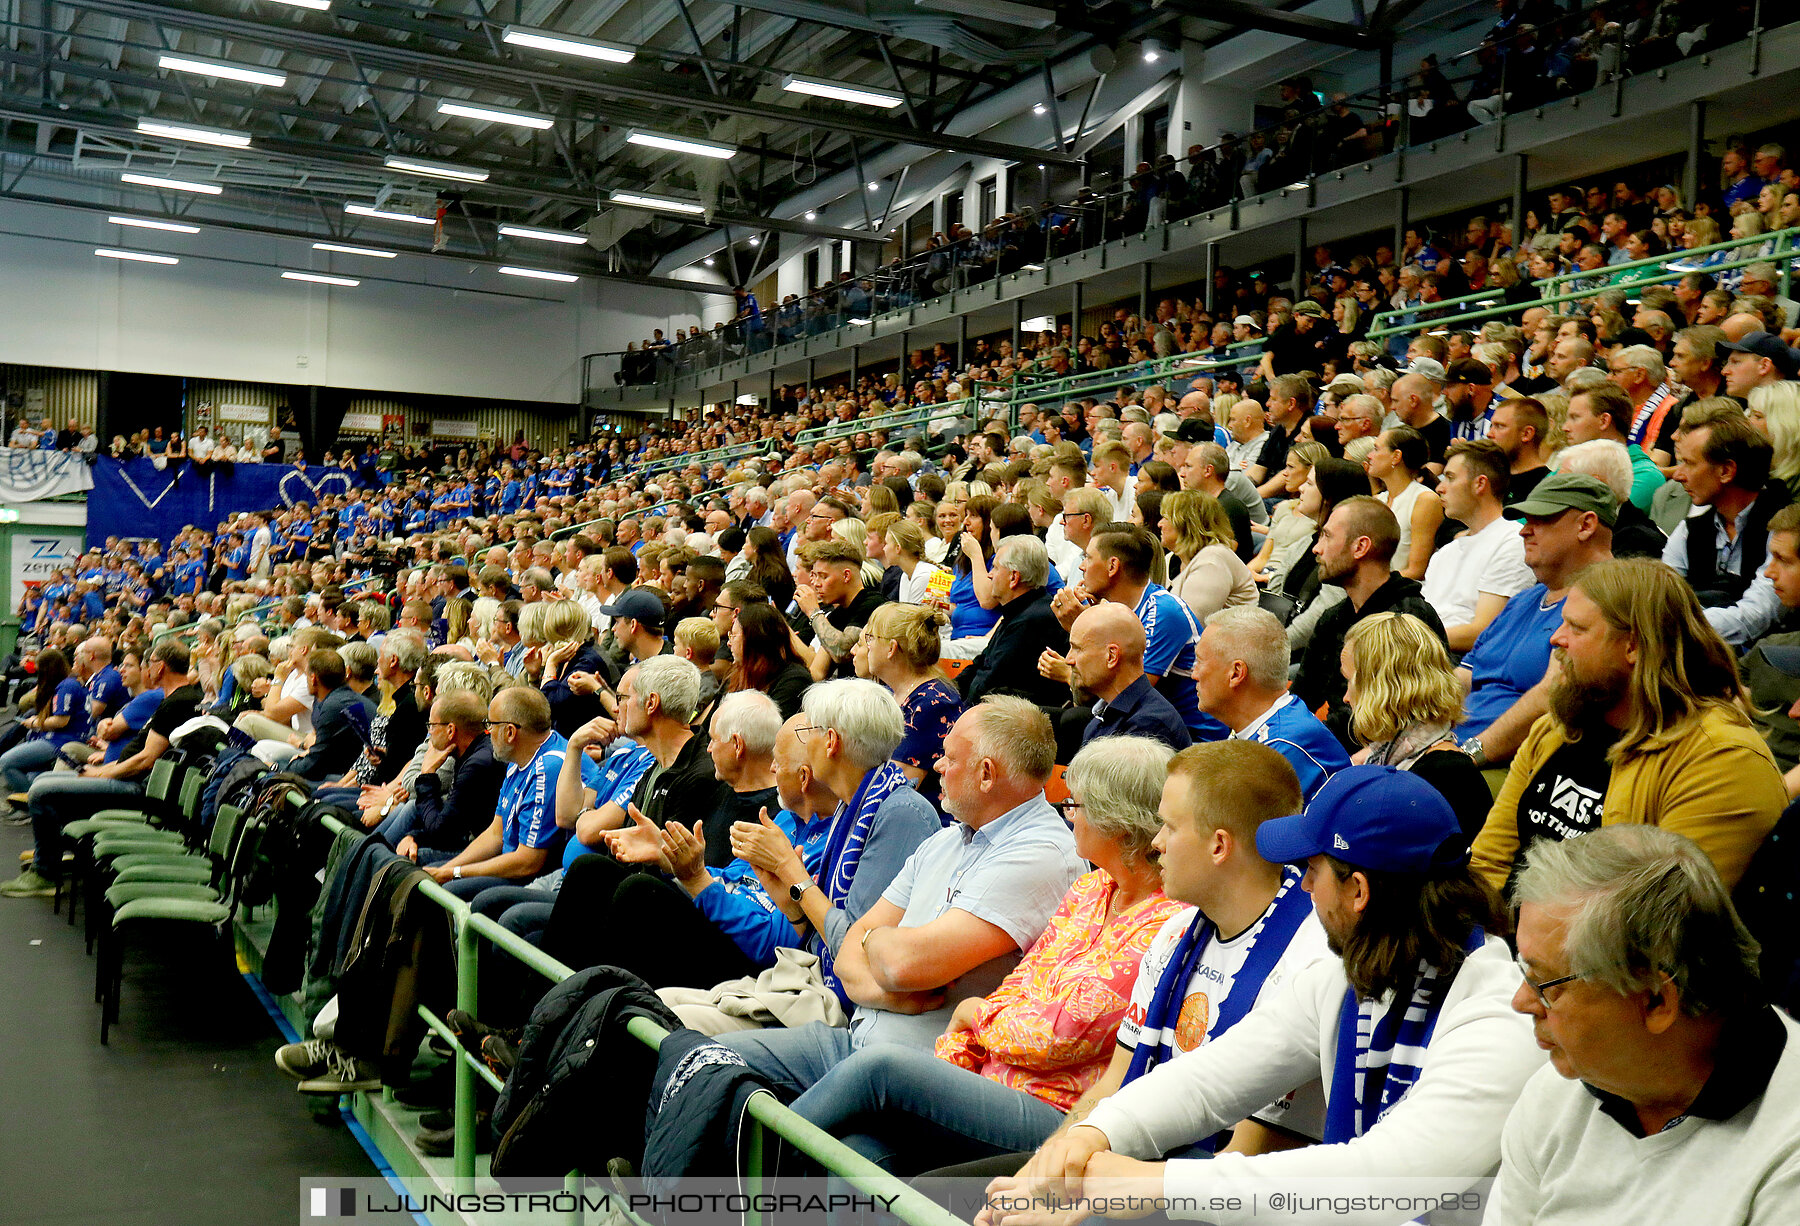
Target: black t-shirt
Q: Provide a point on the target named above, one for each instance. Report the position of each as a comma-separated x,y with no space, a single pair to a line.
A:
1275,448
1289,352
856,613
735,806
176,709
1436,433
687,792
1564,798
1521,485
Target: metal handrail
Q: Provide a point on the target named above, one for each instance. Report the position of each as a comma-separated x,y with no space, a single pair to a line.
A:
899,418
731,451
1583,295
1562,278
910,1205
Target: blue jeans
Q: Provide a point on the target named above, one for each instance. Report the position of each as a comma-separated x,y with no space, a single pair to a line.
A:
60,798
397,824
792,1060
522,910
23,761
884,1093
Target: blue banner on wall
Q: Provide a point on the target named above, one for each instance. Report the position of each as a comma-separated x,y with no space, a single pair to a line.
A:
136,498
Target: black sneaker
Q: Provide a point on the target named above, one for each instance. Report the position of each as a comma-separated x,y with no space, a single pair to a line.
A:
499,1055
441,1142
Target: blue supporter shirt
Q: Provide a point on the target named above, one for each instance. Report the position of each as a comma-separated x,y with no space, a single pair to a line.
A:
613,782
511,495
1170,633
743,910
527,808
136,714
1509,657
237,562
1297,735
70,699
106,691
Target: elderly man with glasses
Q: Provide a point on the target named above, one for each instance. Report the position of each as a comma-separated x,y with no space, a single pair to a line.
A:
1673,1089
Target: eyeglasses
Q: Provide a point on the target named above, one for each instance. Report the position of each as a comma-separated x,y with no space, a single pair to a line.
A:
800,730
500,723
1543,988
439,723
1069,807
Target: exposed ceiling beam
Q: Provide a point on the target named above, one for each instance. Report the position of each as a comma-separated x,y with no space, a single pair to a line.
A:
323,34
1256,17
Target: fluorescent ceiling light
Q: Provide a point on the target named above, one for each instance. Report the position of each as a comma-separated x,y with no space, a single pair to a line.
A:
365,210
755,242
873,185
317,5
820,88
681,144
1031,268
440,170
1039,108
635,200
347,250
1004,11
496,114
811,216
708,261
548,236
861,321
220,70
194,132
289,274
539,274
567,44
179,185
142,257
146,223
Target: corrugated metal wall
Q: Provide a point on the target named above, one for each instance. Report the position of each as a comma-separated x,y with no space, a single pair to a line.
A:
66,393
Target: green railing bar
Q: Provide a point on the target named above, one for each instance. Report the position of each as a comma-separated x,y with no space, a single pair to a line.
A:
1730,244
1579,296
881,421
442,1029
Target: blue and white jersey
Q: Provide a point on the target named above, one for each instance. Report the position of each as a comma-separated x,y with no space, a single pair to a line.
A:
527,807
613,781
1297,735
1170,633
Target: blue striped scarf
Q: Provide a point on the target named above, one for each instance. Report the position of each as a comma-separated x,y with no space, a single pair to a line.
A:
843,851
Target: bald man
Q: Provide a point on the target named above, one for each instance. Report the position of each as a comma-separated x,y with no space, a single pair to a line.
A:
1413,399
1105,666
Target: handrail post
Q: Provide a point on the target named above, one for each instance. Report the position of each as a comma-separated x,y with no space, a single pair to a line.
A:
463,1150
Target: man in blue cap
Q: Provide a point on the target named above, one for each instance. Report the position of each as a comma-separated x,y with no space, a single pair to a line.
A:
1410,1029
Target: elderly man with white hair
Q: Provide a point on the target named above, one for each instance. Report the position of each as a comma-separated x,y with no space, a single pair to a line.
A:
1673,1087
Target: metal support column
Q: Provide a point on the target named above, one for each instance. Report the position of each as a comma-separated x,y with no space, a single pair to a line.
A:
855,358
1075,308
1144,289
812,374
1018,331
901,369
1696,152
1400,205
1521,170
1299,258
1209,270
962,340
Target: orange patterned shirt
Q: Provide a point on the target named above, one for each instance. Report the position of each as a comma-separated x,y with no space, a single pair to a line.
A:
1049,1028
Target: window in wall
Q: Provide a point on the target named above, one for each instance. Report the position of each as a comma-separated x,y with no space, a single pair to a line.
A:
987,210
953,210
1153,134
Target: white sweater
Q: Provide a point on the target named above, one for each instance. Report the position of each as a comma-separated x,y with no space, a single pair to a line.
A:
1444,1133
1566,1163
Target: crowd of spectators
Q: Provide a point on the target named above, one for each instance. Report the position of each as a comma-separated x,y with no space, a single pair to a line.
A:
1400,708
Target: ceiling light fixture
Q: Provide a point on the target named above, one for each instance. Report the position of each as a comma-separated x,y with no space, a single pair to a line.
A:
141,257
708,261
811,216
635,200
681,144
146,223
348,250
221,71
567,44
539,274
223,137
316,5
366,210
1152,50
841,92
178,185
288,274
1038,108
756,242
874,186
548,236
437,170
496,114
858,322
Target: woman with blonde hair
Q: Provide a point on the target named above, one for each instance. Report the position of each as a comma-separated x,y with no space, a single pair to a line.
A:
456,624
1405,702
923,512
1196,530
1775,411
905,547
899,648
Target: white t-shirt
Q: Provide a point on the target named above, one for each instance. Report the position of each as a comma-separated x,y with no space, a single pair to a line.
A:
914,587
200,448
260,540
1489,561
296,687
1303,1111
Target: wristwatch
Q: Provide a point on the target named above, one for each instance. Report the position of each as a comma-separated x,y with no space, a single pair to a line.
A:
1474,748
456,872
798,891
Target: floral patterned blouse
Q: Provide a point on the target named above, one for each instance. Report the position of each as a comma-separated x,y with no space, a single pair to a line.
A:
1049,1029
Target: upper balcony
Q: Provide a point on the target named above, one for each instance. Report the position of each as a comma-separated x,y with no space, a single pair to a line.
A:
1745,86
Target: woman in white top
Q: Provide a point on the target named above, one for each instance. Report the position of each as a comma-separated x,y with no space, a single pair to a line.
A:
1396,463
1196,529
905,544
1290,532
923,512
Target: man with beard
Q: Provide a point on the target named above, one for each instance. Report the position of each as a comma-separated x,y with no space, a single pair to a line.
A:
1408,1029
1644,726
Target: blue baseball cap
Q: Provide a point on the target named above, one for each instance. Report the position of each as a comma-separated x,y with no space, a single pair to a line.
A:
1375,817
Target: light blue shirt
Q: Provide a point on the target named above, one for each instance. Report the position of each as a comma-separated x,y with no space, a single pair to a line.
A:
1013,873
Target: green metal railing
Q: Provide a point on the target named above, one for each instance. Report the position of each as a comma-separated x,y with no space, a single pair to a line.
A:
734,451
1786,243
899,419
768,1115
